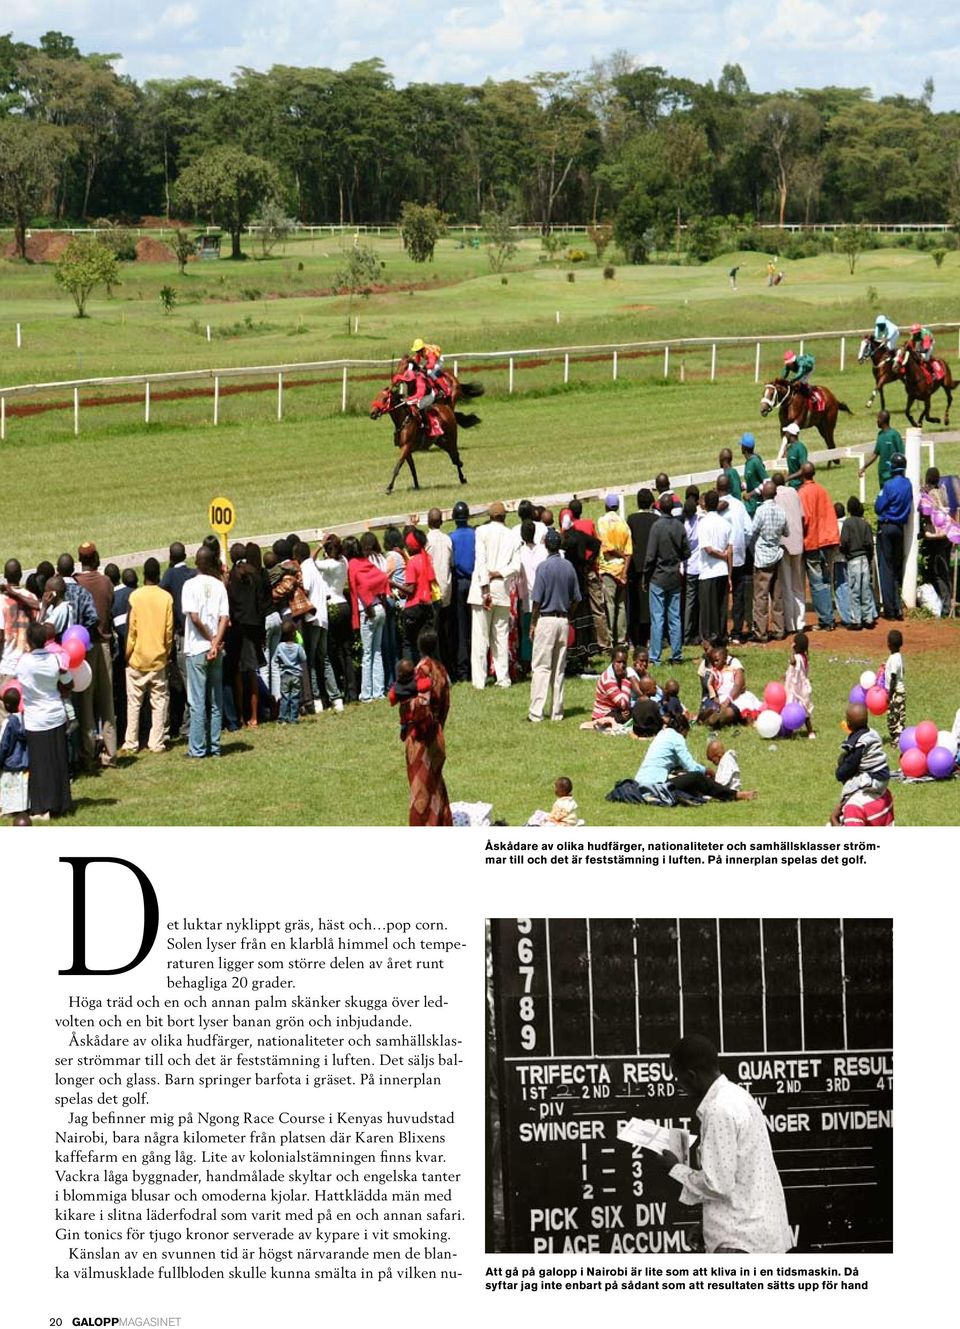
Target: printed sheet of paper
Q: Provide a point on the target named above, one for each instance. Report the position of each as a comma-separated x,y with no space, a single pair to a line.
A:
648,1135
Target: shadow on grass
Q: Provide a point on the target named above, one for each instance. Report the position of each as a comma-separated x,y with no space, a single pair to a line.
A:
94,803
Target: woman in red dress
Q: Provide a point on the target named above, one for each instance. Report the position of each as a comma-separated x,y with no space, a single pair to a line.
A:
424,742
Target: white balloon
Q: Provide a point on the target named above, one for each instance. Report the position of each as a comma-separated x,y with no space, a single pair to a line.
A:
945,739
867,679
768,724
82,676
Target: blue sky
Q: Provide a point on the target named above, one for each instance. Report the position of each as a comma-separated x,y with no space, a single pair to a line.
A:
886,46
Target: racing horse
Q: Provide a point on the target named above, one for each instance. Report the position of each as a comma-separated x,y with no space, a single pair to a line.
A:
410,436
921,384
818,411
884,368
450,388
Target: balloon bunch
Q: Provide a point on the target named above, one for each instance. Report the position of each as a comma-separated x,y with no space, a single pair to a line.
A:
870,693
925,750
72,650
942,521
778,715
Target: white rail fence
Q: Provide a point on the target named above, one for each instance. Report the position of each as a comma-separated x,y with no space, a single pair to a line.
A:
562,355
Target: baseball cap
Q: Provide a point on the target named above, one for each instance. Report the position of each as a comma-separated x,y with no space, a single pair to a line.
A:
748,441
791,428
612,501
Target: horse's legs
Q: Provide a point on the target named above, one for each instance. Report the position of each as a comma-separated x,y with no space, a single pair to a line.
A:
825,428
910,401
949,396
453,452
404,456
413,469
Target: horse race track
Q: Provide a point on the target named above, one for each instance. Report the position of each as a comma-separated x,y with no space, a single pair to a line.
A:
133,487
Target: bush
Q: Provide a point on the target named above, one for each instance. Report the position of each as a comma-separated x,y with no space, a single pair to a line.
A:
938,255
609,272
504,281
631,227
420,229
704,238
571,276
168,298
84,265
576,255
251,292
121,244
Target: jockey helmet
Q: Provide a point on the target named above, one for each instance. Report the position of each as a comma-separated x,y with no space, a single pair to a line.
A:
417,346
789,357
898,462
916,328
460,510
748,441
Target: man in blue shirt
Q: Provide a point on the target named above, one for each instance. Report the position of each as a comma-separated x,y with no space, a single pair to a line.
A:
893,507
553,600
464,540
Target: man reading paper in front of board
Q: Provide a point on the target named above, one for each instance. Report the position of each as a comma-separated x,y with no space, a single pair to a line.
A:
737,1182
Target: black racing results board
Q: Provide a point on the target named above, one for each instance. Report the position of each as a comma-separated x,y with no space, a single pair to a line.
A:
586,1011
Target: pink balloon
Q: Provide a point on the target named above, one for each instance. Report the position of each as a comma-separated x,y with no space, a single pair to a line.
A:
913,763
878,700
939,519
775,696
927,736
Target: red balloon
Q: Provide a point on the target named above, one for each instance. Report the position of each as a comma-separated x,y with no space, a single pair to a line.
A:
775,696
878,699
73,649
913,763
926,736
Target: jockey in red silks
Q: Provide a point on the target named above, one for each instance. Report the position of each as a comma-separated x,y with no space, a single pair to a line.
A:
420,393
922,341
430,359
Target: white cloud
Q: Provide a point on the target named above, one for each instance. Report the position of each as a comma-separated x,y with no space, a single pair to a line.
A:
779,44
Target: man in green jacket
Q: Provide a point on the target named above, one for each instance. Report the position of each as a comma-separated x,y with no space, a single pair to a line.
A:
754,473
796,454
888,444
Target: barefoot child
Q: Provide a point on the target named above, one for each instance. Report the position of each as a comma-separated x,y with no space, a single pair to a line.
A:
797,679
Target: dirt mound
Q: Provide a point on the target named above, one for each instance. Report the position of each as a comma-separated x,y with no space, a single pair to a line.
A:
42,246
159,224
153,251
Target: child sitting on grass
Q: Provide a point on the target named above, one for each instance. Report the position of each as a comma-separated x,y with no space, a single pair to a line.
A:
728,769
564,810
670,704
797,679
647,717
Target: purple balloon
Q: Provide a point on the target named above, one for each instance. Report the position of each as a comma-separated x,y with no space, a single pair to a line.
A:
792,716
77,633
940,763
908,739
857,696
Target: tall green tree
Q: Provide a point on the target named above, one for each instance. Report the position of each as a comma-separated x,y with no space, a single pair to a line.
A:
228,185
30,157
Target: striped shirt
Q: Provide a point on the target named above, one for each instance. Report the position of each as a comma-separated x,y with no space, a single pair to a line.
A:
769,526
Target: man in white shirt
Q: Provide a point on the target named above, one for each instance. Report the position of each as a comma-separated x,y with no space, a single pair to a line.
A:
440,549
497,564
744,1211
741,567
206,617
314,625
792,572
716,550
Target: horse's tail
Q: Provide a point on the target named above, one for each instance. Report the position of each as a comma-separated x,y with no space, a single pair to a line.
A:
842,406
466,421
471,390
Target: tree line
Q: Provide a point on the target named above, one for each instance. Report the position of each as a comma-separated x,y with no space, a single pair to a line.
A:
79,140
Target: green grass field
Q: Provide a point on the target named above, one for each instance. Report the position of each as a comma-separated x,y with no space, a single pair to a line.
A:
134,487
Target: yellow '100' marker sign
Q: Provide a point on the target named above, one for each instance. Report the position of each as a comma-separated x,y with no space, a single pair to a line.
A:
221,515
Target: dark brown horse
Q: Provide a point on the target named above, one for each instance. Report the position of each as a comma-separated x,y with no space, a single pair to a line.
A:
410,435
451,389
921,384
884,370
818,409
